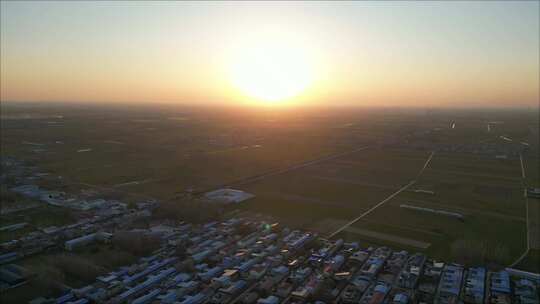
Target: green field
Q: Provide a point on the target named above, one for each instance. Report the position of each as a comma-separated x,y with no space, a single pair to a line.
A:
165,150
487,192
169,150
325,196
336,190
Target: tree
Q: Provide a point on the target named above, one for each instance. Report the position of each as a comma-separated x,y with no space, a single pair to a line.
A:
136,243
190,210
77,267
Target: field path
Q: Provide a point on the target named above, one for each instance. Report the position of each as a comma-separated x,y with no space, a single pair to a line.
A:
468,211
426,164
372,209
354,182
514,179
522,166
533,223
305,199
258,177
299,166
532,213
389,237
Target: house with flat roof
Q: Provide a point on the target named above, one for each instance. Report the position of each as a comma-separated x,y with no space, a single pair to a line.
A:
228,196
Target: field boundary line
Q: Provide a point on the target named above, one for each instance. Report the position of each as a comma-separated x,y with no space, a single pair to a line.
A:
299,166
389,238
372,209
112,189
426,164
352,182
522,166
508,178
527,223
385,200
273,172
465,210
521,257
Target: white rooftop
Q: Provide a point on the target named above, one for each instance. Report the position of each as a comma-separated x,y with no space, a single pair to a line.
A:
228,195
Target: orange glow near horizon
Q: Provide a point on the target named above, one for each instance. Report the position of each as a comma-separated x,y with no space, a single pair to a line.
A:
272,54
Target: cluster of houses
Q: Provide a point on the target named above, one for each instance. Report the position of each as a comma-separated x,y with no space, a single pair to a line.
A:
251,262
70,236
99,215
24,183
13,276
98,218
59,199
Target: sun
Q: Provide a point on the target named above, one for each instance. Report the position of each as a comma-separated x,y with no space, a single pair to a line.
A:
271,72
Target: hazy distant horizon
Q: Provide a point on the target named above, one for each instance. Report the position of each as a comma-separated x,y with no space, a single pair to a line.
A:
145,104
360,54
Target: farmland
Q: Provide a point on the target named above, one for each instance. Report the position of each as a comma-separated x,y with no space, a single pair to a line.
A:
336,189
315,168
166,151
486,190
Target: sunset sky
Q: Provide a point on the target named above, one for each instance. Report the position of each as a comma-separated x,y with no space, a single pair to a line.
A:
482,53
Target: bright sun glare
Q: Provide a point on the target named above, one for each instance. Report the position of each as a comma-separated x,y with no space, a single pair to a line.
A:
271,72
